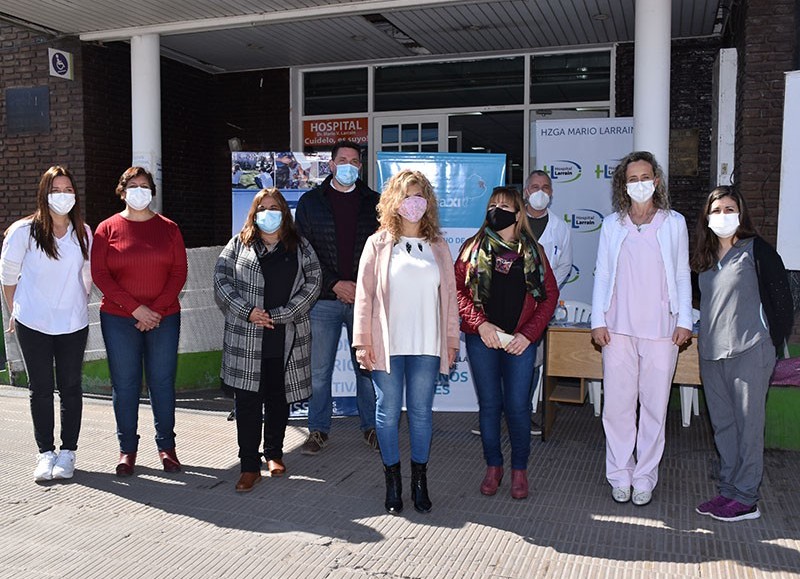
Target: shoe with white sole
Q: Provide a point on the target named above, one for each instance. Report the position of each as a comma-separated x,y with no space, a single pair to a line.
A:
641,498
44,466
65,465
621,494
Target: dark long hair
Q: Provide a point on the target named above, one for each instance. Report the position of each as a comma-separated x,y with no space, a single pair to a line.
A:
521,229
42,220
287,233
707,243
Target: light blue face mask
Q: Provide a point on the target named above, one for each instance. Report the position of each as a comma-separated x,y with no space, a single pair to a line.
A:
346,174
269,221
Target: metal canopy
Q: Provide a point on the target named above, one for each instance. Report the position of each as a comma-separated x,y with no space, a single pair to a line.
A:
236,35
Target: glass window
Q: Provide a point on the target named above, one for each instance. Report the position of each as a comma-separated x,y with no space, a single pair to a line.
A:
491,132
435,85
335,91
576,77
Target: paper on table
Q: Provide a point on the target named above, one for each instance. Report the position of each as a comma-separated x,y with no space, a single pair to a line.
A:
505,339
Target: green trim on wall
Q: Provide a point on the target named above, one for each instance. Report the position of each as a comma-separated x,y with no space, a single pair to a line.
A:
196,371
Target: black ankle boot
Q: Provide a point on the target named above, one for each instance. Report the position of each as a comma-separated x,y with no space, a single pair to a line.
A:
419,487
394,489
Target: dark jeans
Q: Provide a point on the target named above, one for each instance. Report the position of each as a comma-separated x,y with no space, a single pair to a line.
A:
503,384
39,351
269,406
129,352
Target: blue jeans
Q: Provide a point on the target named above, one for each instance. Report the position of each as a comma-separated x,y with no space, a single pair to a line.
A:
419,375
503,384
129,352
327,317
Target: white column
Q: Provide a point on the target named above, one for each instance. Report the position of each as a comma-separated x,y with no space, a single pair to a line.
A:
651,78
146,108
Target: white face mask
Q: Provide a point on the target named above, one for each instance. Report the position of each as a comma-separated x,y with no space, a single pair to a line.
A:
138,198
641,191
723,225
61,203
539,200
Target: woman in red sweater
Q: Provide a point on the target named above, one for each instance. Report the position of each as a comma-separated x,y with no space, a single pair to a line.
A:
139,263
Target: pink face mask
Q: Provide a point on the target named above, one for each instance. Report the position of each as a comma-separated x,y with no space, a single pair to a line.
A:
413,208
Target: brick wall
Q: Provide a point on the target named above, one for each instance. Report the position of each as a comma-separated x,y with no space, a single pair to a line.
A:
765,37
255,107
690,108
23,158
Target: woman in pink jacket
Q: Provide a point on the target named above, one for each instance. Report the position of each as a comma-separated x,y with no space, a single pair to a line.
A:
406,325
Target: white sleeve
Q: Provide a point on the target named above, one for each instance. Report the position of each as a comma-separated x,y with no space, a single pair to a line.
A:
15,245
564,265
86,271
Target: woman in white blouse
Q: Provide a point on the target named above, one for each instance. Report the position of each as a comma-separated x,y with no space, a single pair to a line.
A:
44,269
405,327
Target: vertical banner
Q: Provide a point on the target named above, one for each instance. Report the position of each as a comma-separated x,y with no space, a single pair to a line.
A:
580,156
463,183
789,202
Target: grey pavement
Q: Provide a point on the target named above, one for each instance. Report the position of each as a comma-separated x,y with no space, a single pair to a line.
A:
326,518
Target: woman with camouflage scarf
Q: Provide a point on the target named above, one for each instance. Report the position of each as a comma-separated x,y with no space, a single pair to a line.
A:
506,297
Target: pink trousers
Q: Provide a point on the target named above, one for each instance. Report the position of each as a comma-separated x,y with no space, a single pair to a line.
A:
636,370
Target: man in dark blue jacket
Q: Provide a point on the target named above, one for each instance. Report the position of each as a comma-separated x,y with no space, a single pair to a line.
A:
336,218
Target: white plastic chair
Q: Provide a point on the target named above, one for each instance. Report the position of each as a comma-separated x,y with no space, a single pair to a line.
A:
576,312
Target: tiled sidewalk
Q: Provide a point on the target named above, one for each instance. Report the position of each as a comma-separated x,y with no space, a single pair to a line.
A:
326,518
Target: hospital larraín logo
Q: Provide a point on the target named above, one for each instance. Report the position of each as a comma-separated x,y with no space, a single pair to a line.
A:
584,220
563,171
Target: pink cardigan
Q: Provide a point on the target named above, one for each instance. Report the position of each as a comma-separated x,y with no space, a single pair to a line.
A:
371,317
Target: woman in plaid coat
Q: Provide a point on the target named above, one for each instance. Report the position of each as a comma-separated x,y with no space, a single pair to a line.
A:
267,342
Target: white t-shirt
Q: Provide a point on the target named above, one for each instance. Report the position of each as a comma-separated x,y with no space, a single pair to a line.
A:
413,299
52,294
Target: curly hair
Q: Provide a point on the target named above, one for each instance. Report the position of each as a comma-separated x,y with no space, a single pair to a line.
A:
707,243
287,233
394,191
620,201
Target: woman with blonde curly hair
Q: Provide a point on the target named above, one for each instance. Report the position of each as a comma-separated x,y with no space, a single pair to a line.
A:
406,325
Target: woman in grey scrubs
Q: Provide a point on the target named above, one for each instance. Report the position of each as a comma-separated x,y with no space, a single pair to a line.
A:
745,314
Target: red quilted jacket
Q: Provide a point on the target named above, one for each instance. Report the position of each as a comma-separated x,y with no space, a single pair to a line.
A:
533,319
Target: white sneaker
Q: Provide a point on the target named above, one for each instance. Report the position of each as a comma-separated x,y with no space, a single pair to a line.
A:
65,465
641,498
621,494
44,466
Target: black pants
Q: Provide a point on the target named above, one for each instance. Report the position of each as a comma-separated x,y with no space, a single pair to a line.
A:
39,351
269,406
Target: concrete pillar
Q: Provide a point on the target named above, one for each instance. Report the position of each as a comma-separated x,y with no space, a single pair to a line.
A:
651,78
146,108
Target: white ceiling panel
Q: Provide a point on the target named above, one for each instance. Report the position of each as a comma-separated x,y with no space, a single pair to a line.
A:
231,35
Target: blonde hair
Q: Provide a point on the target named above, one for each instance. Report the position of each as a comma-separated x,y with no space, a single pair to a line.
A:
394,191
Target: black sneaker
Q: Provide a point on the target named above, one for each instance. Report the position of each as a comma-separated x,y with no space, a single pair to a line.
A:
314,443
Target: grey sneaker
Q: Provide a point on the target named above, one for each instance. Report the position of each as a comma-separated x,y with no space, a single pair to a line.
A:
371,439
314,443
44,466
536,428
65,465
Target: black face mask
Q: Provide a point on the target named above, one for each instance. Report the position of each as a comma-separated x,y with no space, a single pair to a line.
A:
498,219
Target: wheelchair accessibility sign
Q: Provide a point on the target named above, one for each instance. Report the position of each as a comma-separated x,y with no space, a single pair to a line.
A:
60,63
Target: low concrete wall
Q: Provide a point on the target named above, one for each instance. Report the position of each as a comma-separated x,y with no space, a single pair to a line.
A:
200,348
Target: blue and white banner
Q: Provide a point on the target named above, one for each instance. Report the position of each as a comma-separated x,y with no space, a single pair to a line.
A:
463,183
580,156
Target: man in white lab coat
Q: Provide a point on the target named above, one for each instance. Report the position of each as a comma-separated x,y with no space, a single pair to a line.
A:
551,231
553,235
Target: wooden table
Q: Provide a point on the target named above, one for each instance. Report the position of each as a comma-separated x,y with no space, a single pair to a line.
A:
570,353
